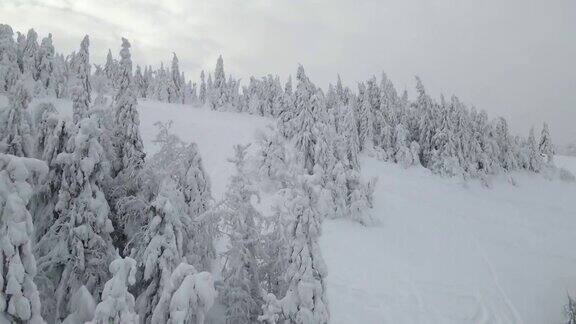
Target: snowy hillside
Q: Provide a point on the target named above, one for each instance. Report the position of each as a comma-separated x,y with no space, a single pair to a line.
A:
443,252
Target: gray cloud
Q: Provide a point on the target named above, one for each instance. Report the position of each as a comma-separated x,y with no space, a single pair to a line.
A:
513,58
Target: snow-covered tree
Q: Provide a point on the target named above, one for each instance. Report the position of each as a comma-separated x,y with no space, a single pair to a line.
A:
111,70
46,64
176,88
160,247
30,55
535,160
183,164
306,105
272,161
117,304
218,96
16,134
82,307
186,298
77,248
365,116
127,141
305,300
52,134
9,69
241,291
202,93
19,297
81,90
546,147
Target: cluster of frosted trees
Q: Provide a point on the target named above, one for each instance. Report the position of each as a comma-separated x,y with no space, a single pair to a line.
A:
95,231
442,135
92,230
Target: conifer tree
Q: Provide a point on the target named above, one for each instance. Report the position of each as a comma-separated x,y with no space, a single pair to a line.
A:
16,136
81,91
30,55
19,297
241,290
305,300
187,298
77,248
218,97
160,247
9,69
128,143
176,89
534,157
202,93
117,304
545,144
46,64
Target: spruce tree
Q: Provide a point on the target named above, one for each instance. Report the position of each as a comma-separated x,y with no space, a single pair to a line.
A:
19,297
77,248
545,144
127,141
16,136
244,227
117,303
305,300
81,90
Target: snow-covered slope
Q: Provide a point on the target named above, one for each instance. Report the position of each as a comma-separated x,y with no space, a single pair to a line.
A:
442,253
448,253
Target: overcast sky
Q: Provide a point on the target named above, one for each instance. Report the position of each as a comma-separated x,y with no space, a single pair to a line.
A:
513,58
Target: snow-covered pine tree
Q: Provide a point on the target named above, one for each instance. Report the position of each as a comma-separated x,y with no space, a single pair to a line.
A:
9,69
52,134
111,70
16,136
535,160
159,248
176,88
305,300
46,64
117,304
570,311
244,225
202,92
305,120
81,90
365,119
19,297
425,110
545,144
218,95
288,113
186,298
506,156
349,140
139,83
30,55
60,77
272,160
183,164
20,45
195,185
82,307
127,141
77,248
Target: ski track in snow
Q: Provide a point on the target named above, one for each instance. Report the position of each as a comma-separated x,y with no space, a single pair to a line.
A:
443,253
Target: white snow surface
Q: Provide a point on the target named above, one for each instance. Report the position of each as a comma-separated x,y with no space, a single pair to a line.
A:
443,252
